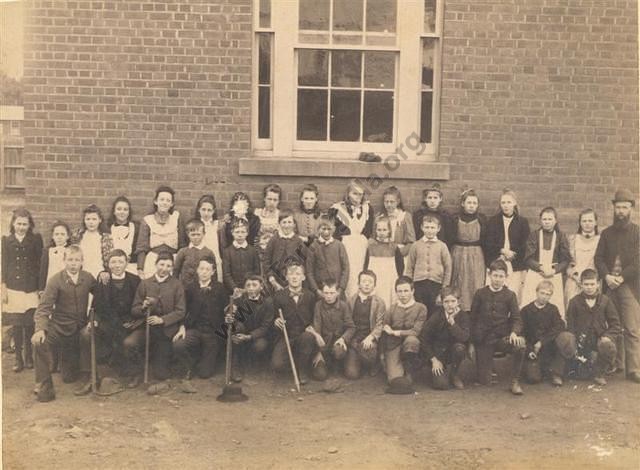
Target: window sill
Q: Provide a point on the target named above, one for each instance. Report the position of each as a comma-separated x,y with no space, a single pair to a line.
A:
327,168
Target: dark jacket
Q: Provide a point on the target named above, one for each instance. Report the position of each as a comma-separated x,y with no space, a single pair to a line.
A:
541,324
64,304
171,304
237,263
21,262
254,230
326,262
493,241
438,336
298,316
279,252
494,315
623,242
593,322
254,317
333,322
112,305
561,252
205,307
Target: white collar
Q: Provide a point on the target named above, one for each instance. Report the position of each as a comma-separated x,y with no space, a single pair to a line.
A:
20,238
118,278
326,242
73,277
429,240
160,279
411,303
364,298
240,245
286,237
200,247
207,284
494,290
538,306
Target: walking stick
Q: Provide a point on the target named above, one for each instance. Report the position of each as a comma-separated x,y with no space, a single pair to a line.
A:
227,366
94,372
230,392
291,360
147,334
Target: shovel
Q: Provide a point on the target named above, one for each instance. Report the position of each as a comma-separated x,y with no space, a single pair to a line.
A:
231,392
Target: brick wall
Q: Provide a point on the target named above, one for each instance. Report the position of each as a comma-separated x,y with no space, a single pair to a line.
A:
121,96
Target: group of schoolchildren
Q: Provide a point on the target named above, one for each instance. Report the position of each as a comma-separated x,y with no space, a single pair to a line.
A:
356,292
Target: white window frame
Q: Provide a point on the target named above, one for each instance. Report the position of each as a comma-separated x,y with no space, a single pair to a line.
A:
408,86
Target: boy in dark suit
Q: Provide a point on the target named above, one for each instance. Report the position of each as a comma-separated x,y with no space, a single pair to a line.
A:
112,303
445,336
297,305
592,319
496,325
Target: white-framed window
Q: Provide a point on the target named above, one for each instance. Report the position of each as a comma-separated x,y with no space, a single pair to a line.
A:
12,167
333,78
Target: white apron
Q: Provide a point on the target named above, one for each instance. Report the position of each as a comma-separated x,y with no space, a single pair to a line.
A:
533,278
355,244
386,276
160,234
210,240
122,237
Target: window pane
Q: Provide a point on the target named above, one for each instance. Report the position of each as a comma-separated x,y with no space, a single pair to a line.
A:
314,14
381,15
379,69
346,67
347,15
378,116
345,115
14,177
16,128
312,67
264,112
312,114
352,39
428,59
12,156
429,16
265,13
425,117
264,60
313,38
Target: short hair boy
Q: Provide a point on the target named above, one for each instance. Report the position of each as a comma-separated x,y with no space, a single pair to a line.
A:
592,319
189,257
496,325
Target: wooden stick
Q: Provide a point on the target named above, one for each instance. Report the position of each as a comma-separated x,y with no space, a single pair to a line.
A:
291,360
147,334
94,367
227,370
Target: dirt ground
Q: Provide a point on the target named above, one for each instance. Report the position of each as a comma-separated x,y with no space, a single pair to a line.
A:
359,426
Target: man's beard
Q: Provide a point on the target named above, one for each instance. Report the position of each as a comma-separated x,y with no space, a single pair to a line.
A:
621,220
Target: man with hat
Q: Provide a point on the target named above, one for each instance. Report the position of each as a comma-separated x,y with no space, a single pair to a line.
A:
617,260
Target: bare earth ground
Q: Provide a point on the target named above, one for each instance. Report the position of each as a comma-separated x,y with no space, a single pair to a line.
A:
577,426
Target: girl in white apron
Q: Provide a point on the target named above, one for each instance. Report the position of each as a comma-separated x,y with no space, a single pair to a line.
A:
547,257
206,212
124,231
354,224
160,231
582,247
385,259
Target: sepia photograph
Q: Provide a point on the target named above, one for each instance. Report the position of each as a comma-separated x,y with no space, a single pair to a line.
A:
285,234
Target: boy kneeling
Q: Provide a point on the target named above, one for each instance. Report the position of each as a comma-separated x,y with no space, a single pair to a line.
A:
445,337
197,343
296,304
401,345
333,327
253,317
593,320
368,311
496,325
112,303
163,296
549,346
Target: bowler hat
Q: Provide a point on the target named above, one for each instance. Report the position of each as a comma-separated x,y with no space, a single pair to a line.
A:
624,195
